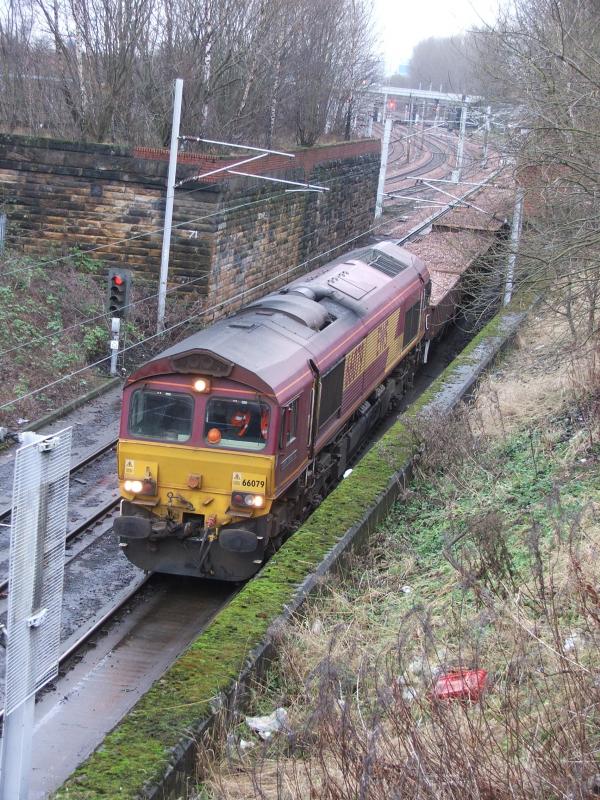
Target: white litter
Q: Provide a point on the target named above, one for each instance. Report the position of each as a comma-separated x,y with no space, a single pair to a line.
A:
235,748
246,745
409,694
406,589
570,642
317,627
268,725
348,472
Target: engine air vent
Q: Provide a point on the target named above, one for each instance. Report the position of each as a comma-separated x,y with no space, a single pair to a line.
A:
352,288
381,261
295,306
247,326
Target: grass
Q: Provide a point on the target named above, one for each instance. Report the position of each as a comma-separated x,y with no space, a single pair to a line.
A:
139,749
490,561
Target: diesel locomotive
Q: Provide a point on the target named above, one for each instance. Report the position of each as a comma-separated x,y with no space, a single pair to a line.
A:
234,434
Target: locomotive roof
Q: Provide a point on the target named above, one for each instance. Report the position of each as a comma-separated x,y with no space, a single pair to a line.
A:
269,343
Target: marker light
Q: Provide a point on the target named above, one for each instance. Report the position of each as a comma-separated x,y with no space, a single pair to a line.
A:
149,486
133,486
202,385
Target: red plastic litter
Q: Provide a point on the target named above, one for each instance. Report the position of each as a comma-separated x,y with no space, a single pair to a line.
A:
464,684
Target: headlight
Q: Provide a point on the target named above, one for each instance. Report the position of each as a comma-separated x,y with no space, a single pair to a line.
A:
248,500
202,385
133,486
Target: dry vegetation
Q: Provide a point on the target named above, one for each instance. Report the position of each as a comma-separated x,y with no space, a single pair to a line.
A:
490,561
542,374
54,325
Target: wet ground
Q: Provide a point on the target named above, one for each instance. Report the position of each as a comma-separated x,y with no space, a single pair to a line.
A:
106,679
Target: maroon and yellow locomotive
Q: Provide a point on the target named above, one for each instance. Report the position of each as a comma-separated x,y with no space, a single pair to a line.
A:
231,436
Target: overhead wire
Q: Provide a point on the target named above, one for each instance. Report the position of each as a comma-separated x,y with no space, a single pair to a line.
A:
202,313
103,315
191,220
71,256
214,307
88,320
147,298
230,300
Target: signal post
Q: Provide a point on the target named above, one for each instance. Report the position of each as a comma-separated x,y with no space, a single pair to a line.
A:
119,292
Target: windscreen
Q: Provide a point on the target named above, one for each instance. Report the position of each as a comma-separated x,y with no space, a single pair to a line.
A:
166,416
240,424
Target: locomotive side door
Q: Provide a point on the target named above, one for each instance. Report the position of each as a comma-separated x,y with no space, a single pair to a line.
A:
293,438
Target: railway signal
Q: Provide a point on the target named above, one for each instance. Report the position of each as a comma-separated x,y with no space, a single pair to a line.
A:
119,291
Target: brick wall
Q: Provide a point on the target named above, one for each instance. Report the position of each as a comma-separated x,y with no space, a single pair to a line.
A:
262,246
230,236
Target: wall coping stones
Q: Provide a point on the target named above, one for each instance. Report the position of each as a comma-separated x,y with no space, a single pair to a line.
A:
151,163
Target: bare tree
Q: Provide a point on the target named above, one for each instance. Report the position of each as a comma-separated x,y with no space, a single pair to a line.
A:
17,66
444,64
95,44
361,68
544,58
268,70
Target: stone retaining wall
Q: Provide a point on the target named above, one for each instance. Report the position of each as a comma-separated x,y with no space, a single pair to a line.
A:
230,236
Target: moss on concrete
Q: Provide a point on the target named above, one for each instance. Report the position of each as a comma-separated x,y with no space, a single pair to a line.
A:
139,749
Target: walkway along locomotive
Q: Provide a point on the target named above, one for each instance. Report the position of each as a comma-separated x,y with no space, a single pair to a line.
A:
232,436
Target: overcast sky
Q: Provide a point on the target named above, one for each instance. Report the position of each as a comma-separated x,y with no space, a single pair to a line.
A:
403,23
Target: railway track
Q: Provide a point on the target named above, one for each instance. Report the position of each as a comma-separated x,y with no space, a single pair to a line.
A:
112,667
88,459
397,153
91,479
421,226
438,156
97,582
121,628
113,648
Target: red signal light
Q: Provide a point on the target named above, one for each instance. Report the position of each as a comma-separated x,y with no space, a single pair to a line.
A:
119,289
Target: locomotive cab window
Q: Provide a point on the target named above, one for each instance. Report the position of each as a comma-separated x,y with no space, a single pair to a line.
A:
239,424
166,416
